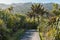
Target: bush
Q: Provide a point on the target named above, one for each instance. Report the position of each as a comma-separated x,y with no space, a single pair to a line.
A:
31,24
3,30
57,37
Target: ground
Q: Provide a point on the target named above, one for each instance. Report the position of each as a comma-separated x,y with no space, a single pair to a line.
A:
31,35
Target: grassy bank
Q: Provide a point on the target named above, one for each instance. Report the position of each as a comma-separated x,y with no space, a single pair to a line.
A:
17,35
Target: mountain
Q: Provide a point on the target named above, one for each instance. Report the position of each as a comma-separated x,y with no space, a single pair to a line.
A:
48,6
25,7
3,6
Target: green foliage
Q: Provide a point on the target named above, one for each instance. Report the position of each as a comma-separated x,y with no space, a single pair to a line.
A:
3,30
31,24
10,23
55,6
57,37
56,10
43,25
37,11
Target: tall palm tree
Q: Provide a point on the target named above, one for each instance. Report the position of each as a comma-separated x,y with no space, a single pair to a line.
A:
37,10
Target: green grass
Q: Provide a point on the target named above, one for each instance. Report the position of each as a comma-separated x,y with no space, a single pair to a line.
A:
17,35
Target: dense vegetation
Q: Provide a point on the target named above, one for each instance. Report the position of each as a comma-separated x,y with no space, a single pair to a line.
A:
47,22
12,26
9,24
49,27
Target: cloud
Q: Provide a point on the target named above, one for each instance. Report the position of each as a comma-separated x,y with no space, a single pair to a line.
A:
6,1
24,1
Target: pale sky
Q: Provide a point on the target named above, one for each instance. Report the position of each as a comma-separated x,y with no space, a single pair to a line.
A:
24,1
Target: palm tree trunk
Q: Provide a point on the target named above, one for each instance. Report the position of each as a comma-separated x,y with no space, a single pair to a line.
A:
38,19
34,19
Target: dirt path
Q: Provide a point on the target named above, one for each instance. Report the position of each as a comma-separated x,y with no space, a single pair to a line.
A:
31,35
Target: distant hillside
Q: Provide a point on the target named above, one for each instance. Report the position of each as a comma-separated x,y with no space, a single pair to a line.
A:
48,6
24,7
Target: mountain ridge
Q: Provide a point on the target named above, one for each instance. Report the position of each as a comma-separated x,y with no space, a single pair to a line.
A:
25,7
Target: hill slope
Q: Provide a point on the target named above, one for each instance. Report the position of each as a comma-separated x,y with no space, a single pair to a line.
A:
24,7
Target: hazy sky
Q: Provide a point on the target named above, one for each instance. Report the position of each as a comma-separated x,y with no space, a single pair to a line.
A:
24,1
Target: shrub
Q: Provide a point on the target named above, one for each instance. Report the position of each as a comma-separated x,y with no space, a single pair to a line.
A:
57,37
30,24
3,30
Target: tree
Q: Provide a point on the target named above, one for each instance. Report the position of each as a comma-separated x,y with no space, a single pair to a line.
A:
3,30
37,10
56,11
55,6
31,14
10,9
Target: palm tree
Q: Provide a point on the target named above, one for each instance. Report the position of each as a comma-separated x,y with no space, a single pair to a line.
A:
56,10
55,6
10,9
55,20
37,10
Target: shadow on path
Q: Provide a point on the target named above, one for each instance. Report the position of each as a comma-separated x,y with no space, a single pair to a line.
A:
30,35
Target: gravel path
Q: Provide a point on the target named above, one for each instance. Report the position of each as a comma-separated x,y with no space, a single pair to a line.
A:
31,35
